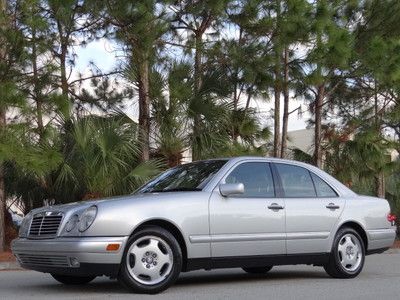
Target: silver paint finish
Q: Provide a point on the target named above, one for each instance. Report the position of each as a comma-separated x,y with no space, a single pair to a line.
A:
234,219
310,215
217,238
229,189
213,225
86,250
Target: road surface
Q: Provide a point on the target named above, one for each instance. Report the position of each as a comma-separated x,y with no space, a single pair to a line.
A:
380,279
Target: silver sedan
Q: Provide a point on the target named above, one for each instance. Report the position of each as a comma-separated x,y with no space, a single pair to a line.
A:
247,212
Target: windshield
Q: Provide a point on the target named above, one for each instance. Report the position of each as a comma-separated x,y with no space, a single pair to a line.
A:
189,177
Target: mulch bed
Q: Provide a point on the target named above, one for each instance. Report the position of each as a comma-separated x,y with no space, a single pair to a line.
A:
6,257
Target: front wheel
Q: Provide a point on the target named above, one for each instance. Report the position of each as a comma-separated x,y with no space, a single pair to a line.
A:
347,256
73,280
152,261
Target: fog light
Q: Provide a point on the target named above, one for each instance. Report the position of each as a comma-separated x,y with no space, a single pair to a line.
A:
74,262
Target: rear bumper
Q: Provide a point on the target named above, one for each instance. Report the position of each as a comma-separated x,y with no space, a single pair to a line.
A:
70,256
380,239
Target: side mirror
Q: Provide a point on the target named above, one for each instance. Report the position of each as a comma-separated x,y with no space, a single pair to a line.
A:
228,189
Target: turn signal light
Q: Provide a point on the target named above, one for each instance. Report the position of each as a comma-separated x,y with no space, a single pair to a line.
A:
112,247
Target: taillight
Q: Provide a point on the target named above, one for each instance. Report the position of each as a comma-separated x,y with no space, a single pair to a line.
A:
391,218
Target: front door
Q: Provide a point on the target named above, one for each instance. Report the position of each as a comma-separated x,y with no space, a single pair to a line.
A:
248,224
312,209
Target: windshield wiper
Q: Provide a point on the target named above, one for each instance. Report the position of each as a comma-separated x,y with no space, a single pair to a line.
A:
182,189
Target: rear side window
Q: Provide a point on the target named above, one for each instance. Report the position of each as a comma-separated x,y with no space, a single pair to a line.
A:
256,178
322,188
296,181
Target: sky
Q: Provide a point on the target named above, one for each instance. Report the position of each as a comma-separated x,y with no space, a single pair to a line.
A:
103,54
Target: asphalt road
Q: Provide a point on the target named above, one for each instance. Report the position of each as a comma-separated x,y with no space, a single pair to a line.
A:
380,279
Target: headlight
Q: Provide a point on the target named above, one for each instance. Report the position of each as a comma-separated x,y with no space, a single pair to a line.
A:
87,218
23,229
71,224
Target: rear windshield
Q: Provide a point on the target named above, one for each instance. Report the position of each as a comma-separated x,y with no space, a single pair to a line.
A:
188,177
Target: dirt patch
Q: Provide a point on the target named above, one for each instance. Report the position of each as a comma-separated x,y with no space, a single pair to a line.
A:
396,244
6,257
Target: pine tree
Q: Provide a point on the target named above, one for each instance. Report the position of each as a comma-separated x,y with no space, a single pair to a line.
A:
331,47
245,61
295,32
197,19
377,78
11,55
3,28
139,25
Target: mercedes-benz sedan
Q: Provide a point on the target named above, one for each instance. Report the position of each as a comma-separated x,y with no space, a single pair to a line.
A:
247,212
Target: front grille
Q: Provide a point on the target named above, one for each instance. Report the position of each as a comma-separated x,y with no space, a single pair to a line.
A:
41,260
45,225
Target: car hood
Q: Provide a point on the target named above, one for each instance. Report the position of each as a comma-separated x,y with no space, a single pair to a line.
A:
75,206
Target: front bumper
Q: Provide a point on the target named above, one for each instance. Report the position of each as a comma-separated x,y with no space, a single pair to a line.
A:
70,256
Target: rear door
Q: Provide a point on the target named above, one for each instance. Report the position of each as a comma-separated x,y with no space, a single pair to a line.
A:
312,209
252,223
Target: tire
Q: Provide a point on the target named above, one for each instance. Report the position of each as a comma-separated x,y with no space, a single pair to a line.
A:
258,270
347,257
152,261
73,280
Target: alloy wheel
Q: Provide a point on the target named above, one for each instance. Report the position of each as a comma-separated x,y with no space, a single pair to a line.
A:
149,260
350,254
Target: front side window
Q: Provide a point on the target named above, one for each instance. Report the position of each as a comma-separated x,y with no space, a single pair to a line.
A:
189,177
296,181
256,178
322,188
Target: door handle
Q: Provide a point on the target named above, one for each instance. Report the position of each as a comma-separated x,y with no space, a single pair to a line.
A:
332,206
275,206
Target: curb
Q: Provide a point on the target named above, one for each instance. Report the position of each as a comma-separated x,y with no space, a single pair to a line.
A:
392,251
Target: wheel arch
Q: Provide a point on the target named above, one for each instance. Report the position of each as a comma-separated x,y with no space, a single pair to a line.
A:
360,230
173,229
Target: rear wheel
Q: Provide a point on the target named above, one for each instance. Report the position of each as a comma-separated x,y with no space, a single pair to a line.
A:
347,256
73,280
258,270
152,261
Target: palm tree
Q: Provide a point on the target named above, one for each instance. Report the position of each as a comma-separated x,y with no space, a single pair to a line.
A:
104,159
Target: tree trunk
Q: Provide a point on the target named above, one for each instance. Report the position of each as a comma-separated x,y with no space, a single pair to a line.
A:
63,68
36,88
285,121
197,86
2,192
144,108
380,185
380,177
277,113
249,95
318,125
277,82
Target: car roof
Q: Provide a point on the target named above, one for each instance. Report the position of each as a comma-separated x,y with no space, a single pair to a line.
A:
269,159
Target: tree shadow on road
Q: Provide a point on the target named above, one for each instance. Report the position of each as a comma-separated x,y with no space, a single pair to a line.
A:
200,279
241,276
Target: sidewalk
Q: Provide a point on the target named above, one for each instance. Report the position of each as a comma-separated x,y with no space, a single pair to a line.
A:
8,262
10,265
